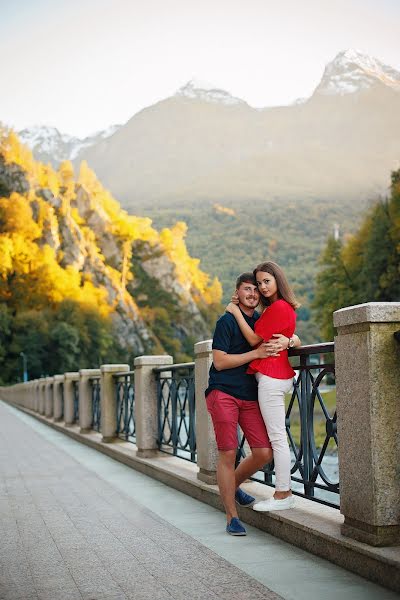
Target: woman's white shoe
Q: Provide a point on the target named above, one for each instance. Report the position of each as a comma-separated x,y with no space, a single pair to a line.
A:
272,504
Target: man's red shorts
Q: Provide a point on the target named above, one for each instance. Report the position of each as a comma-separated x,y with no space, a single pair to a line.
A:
227,412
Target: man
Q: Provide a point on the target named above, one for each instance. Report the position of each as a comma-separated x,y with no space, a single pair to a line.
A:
231,399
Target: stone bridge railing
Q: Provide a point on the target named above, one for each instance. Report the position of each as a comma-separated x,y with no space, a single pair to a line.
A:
136,405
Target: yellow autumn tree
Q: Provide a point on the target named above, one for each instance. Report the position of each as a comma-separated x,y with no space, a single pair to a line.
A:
187,269
14,152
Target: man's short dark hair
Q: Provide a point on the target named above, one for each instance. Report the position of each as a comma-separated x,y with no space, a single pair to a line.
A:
245,278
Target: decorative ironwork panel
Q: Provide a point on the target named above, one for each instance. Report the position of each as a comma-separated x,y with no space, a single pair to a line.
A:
75,387
125,395
96,406
176,410
311,427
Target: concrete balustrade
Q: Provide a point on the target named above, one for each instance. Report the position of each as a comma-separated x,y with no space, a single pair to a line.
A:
367,364
48,397
146,417
207,452
85,398
367,361
58,408
69,379
108,400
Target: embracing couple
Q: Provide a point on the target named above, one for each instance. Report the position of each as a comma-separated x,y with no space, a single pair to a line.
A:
249,378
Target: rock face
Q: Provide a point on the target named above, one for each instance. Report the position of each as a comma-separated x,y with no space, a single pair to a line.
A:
129,327
163,270
12,179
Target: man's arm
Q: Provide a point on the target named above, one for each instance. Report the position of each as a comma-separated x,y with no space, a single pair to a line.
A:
222,360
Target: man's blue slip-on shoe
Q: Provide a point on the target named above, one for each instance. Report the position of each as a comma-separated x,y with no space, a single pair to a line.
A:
235,527
243,499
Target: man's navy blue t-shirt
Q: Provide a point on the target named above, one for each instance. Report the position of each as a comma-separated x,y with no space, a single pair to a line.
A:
228,338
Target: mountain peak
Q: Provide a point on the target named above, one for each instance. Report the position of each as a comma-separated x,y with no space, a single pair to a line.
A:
353,70
50,145
202,90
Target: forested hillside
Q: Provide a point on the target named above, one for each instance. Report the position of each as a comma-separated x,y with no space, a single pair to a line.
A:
81,281
231,237
364,267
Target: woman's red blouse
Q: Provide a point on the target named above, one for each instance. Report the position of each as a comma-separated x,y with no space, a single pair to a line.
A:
279,317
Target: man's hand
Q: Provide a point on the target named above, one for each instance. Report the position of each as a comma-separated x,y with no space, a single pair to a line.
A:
264,350
277,343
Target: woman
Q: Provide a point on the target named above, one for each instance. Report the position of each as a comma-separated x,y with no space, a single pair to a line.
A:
274,373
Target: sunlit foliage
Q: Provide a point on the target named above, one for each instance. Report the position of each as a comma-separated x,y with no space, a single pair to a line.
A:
67,253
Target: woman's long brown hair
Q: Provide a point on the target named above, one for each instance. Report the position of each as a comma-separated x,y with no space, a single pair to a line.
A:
285,292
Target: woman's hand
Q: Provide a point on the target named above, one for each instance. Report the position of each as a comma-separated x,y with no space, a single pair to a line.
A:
234,298
232,308
277,343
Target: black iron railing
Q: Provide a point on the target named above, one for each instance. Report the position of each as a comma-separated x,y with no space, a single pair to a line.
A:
311,427
125,402
96,406
176,410
75,388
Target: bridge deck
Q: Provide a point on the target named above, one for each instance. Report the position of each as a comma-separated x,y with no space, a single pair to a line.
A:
76,524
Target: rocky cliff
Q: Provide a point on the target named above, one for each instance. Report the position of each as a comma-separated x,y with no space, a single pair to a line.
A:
86,248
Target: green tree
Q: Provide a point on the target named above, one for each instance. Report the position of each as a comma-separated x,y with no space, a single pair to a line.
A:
367,267
333,287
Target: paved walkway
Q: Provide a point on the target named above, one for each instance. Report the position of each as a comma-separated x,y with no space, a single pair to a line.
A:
75,524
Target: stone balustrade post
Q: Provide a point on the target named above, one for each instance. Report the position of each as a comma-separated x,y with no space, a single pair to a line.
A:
69,379
24,394
35,395
58,408
367,365
41,394
207,452
21,394
108,400
48,395
146,417
30,398
27,388
85,398
25,391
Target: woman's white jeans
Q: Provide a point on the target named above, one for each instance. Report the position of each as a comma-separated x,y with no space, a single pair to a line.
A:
271,398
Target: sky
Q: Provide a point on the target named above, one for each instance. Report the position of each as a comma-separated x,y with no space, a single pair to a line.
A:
83,65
